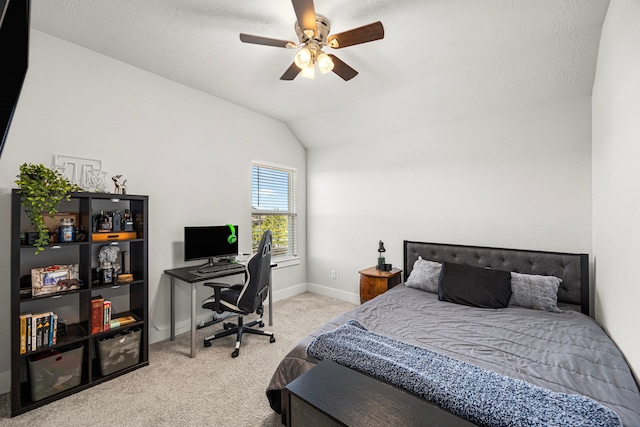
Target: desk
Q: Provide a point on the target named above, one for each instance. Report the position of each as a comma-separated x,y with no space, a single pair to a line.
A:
185,274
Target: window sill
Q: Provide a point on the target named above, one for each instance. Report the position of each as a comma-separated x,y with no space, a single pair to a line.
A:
285,261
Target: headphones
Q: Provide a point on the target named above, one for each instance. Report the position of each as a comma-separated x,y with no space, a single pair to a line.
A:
232,237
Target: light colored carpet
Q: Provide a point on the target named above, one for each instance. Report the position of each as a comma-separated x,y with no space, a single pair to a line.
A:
213,389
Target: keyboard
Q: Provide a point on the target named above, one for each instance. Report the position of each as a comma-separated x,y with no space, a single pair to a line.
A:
203,271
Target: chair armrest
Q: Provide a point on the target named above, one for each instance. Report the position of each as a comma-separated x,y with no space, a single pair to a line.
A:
217,285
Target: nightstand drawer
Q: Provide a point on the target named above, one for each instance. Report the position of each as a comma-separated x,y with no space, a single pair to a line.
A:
374,282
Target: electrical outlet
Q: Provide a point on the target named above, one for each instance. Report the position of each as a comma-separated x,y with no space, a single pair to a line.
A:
333,274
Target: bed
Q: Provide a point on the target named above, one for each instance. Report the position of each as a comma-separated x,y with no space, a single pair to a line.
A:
550,345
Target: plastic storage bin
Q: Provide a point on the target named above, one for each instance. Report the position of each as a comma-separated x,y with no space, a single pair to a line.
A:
55,373
119,352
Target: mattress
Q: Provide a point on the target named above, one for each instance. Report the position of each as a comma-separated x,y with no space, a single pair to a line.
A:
565,352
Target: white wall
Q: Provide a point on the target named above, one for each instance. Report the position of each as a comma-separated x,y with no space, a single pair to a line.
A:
616,178
190,152
519,179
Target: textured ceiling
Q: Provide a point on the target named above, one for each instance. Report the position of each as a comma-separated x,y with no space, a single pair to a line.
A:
440,59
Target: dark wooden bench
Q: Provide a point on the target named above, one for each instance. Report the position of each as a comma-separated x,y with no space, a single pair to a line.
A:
332,395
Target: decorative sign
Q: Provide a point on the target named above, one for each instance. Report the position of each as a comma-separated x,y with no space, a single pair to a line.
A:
86,173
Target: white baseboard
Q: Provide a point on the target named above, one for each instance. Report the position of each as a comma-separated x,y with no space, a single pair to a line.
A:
334,293
288,292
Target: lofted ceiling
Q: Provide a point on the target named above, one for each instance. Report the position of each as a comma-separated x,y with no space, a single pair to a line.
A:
440,59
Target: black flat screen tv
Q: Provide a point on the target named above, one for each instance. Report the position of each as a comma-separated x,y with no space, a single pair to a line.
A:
210,242
14,58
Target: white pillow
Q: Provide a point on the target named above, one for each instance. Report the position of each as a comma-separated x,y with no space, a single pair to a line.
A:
425,275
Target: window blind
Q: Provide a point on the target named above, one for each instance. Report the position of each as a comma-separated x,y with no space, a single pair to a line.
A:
274,207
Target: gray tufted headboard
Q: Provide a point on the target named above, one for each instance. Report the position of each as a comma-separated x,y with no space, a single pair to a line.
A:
573,269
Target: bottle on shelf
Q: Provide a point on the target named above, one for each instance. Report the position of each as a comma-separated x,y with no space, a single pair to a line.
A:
102,223
66,230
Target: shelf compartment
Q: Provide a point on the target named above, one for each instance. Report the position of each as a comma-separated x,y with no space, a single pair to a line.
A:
30,400
26,294
55,246
119,351
75,333
138,321
57,372
96,286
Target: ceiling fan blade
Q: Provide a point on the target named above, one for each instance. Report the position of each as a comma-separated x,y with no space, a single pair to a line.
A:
291,73
265,41
342,69
364,34
306,15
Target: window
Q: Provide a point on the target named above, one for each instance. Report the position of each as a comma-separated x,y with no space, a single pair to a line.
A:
274,207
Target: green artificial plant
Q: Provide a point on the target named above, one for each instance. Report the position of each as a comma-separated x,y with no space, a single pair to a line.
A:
41,190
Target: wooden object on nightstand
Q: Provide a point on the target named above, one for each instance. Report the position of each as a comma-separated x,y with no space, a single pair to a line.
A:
374,282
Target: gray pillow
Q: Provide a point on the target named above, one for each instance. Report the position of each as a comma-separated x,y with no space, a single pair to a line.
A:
534,291
425,275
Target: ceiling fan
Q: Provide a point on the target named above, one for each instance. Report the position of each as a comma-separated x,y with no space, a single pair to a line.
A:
313,35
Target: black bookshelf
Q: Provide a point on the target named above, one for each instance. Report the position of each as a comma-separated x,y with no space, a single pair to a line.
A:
74,306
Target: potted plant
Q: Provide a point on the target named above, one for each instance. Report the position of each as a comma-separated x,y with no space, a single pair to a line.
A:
41,190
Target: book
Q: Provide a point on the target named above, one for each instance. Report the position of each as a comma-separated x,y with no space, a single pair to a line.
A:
39,321
122,321
54,330
23,333
51,326
29,320
46,325
34,331
34,319
107,315
97,314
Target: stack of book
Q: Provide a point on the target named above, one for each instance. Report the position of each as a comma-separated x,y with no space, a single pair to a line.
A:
38,331
101,316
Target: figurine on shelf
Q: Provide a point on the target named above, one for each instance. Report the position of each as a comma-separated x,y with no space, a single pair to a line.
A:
120,184
382,265
109,266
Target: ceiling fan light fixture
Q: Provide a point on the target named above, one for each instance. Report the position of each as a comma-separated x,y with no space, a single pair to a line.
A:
309,71
303,58
325,63
313,31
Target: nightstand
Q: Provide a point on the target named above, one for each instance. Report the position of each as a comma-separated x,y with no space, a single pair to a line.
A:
374,282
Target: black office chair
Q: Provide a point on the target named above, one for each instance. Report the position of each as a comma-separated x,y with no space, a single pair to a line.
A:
244,299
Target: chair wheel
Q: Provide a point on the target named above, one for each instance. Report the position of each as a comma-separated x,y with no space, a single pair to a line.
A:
272,339
261,324
235,353
207,343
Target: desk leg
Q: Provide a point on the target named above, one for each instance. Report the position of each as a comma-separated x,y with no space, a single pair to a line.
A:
270,299
193,320
173,309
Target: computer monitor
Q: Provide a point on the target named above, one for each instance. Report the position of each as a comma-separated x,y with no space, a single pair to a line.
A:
210,242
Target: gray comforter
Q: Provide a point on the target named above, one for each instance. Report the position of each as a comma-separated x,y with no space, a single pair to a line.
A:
564,352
